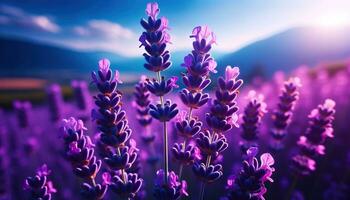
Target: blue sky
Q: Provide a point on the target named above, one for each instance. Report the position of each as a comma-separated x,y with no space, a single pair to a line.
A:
93,25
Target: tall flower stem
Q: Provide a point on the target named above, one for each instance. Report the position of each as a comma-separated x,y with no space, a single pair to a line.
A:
165,139
201,194
202,190
292,187
166,155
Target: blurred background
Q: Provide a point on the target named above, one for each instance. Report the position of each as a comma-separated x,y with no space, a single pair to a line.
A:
43,42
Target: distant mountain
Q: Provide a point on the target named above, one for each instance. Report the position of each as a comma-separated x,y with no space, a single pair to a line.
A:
21,57
289,49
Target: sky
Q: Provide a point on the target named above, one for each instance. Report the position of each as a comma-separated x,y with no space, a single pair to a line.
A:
113,25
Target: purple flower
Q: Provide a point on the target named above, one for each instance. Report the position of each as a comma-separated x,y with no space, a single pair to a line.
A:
253,113
311,143
80,152
207,174
211,145
152,10
22,110
142,101
115,131
171,190
164,113
55,101
283,114
38,186
126,185
203,33
104,65
231,73
154,39
250,182
185,155
188,128
161,88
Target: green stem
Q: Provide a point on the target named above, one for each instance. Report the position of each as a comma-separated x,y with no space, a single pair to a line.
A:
202,190
165,138
201,194
181,165
122,170
166,156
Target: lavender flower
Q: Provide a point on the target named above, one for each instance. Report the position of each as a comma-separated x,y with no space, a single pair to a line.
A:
283,114
154,39
222,117
55,101
22,110
39,187
311,144
115,132
253,113
249,184
170,190
198,64
142,102
81,94
80,152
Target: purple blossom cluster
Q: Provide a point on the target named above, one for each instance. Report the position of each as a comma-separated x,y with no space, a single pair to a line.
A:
165,142
253,113
250,181
283,114
311,144
119,151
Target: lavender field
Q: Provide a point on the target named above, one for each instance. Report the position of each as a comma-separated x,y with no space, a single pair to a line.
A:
198,127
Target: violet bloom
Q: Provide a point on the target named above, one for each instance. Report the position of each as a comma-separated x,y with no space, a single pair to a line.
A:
249,184
80,152
283,114
221,118
81,94
22,110
114,131
311,144
141,103
253,112
172,189
155,39
198,64
39,186
55,101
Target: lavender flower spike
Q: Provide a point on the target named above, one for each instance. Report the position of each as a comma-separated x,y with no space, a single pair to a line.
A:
221,118
80,152
55,101
22,110
39,187
155,39
253,113
249,184
141,103
118,153
311,144
171,190
198,64
283,114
